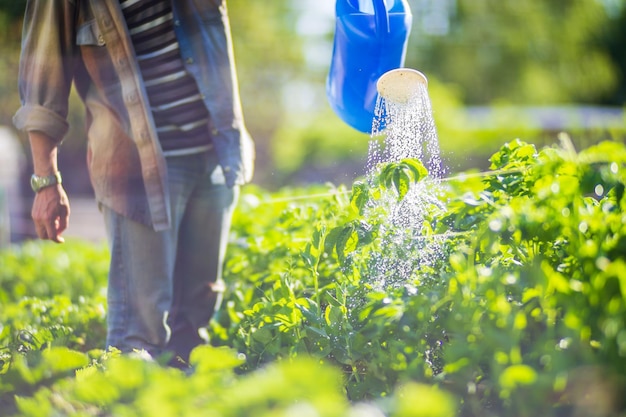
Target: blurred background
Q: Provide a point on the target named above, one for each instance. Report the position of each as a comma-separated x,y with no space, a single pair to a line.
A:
497,69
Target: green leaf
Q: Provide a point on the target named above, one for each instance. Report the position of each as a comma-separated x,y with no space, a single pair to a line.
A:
207,358
346,241
420,400
417,169
94,387
37,406
319,332
62,359
330,243
263,335
401,182
360,196
517,375
606,151
456,366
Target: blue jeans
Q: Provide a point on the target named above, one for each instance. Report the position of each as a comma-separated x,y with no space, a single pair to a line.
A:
165,286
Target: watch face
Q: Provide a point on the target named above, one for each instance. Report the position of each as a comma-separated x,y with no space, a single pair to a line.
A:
37,183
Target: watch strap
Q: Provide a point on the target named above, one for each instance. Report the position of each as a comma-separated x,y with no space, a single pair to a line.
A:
37,183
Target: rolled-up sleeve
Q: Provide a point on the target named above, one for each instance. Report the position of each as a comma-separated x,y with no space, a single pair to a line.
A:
46,67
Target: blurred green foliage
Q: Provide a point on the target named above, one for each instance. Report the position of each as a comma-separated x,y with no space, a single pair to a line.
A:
533,52
522,313
495,53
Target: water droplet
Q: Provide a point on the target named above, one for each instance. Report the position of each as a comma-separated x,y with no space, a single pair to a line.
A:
555,188
599,190
602,263
510,279
484,271
564,343
495,225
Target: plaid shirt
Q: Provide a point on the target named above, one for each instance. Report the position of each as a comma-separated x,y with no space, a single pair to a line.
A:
86,42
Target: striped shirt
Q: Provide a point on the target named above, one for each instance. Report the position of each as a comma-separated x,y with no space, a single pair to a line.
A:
179,112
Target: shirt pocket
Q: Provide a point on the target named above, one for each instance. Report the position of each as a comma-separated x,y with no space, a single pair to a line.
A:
95,56
88,34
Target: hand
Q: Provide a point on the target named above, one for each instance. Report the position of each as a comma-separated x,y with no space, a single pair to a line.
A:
51,213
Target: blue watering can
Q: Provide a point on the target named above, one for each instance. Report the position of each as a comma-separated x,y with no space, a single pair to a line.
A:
370,39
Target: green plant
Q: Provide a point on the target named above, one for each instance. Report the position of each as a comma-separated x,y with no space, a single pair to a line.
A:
503,294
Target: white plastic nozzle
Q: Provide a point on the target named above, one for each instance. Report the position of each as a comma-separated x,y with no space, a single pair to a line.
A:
400,85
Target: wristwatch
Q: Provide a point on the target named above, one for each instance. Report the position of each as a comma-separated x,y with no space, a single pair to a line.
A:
37,182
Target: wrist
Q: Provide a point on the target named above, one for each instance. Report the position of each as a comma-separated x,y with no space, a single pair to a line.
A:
38,183
44,154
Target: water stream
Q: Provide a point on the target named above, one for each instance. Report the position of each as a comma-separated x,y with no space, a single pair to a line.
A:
406,241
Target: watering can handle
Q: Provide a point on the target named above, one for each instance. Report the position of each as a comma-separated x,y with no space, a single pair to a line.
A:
382,17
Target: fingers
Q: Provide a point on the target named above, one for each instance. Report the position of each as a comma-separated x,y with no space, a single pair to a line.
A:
50,230
41,231
63,220
51,213
54,234
60,223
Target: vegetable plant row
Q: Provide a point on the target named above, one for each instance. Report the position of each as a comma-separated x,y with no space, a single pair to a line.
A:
499,293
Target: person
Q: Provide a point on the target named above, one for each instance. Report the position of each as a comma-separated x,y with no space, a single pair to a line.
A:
167,151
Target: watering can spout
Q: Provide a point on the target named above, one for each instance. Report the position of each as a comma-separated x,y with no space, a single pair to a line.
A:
371,37
401,85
